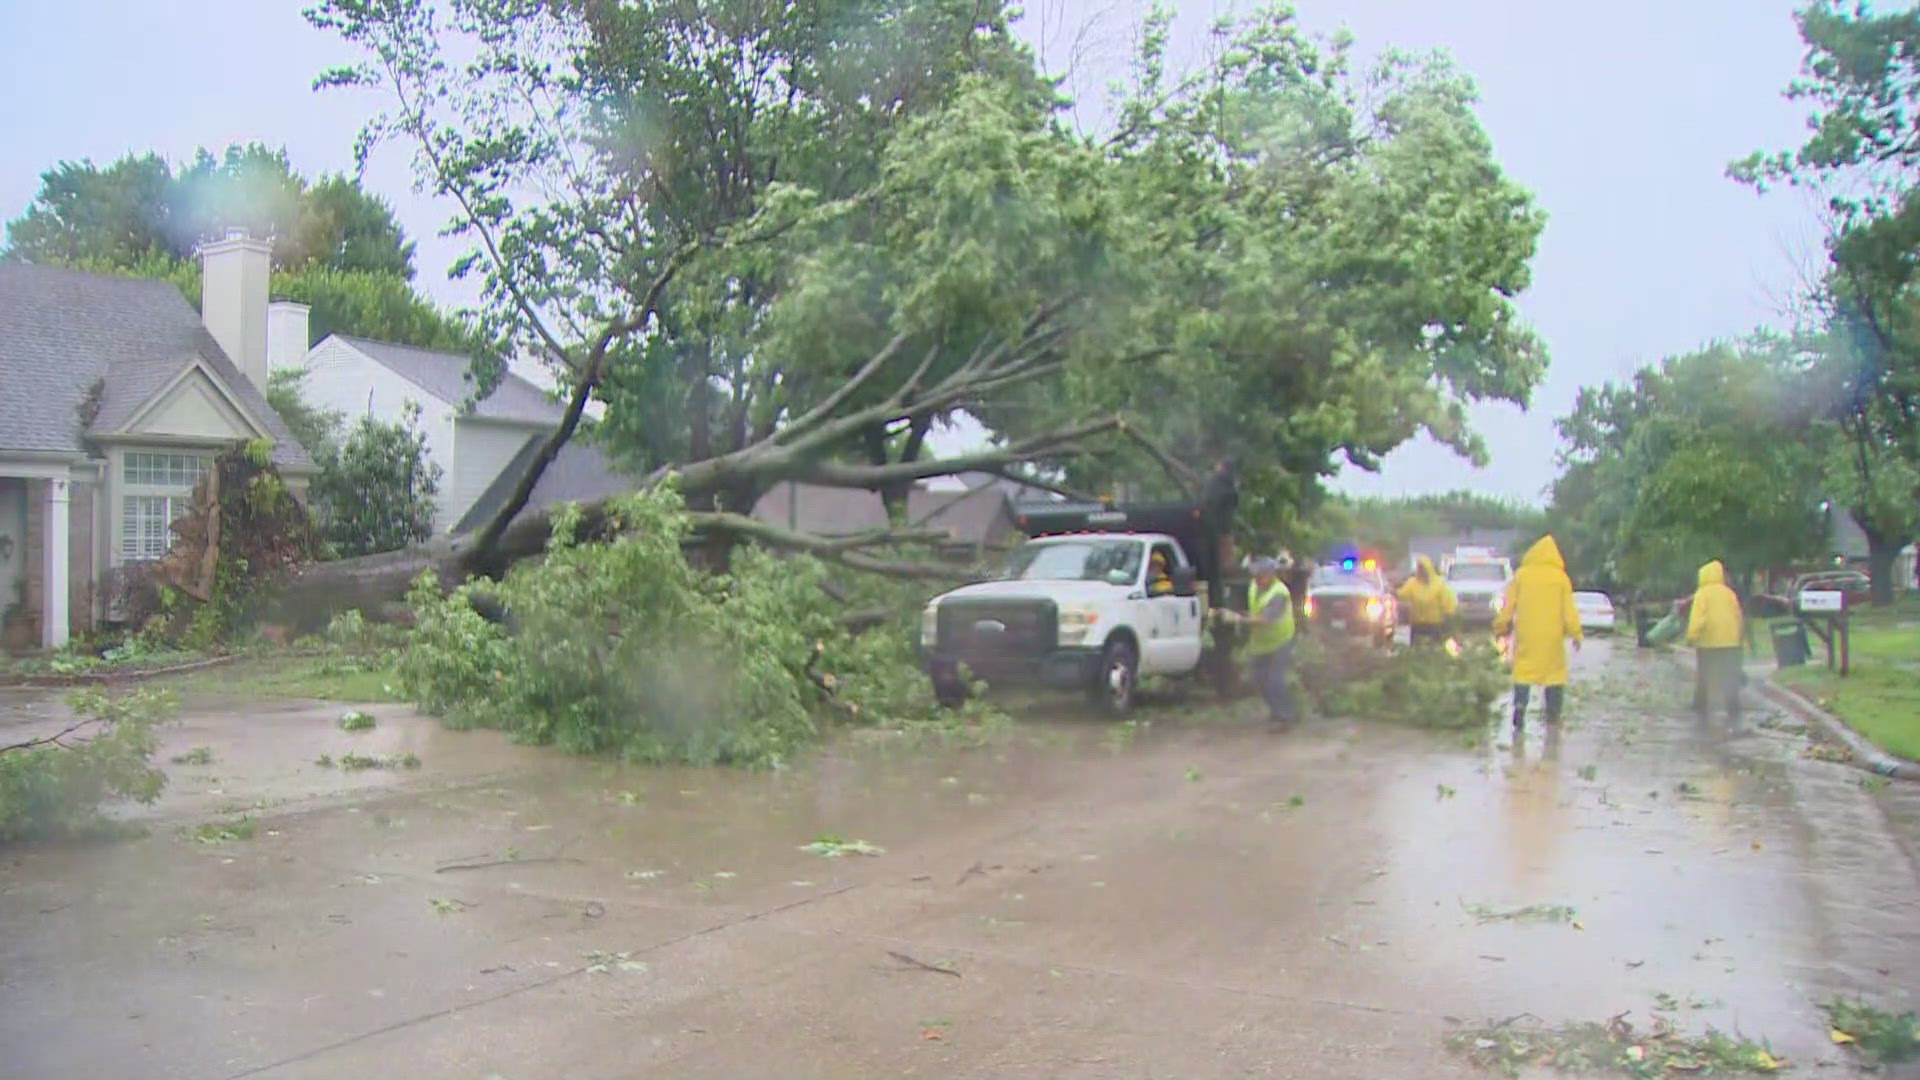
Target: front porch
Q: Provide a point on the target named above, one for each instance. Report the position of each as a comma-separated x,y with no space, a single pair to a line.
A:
48,561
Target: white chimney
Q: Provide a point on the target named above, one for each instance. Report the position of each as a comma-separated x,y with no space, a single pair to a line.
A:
233,300
286,335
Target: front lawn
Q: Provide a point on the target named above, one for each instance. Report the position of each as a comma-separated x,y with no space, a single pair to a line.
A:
325,677
1881,698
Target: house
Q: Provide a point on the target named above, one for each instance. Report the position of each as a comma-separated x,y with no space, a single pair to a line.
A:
978,521
115,397
473,440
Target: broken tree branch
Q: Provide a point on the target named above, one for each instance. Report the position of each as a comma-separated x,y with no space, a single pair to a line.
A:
50,740
489,537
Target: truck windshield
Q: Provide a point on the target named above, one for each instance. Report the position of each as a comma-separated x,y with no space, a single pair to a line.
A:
1477,572
1075,560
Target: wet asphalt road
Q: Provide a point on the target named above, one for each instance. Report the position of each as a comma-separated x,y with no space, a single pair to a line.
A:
1194,897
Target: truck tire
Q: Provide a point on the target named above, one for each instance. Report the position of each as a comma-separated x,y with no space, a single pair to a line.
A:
1117,677
949,689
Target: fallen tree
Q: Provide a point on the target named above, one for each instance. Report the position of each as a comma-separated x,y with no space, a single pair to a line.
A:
775,254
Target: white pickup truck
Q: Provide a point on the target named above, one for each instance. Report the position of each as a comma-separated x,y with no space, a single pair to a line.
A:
1077,610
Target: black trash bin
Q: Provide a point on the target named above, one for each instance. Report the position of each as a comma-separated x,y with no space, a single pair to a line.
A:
1790,647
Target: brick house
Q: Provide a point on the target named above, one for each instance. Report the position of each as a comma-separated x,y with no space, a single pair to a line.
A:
115,396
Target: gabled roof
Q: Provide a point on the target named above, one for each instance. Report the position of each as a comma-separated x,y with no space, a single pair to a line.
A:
972,517
62,331
580,472
819,510
447,376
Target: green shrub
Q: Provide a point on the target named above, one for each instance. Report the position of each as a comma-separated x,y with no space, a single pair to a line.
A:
56,789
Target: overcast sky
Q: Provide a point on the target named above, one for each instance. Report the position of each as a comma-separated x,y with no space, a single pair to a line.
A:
1620,117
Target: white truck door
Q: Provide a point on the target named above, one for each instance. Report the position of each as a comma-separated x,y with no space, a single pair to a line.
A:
1176,621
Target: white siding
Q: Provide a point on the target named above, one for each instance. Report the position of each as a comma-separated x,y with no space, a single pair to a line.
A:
340,377
483,449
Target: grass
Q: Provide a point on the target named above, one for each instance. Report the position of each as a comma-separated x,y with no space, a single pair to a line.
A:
1880,698
357,762
330,677
1610,1048
1881,1037
220,832
199,755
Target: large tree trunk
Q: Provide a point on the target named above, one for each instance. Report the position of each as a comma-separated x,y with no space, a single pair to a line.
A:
1881,555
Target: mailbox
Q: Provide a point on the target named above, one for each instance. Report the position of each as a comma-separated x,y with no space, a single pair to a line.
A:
1822,601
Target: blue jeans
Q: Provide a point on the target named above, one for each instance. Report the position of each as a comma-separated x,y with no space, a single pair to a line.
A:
1270,675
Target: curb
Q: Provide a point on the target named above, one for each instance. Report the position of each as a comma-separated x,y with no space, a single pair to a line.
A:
92,678
1866,756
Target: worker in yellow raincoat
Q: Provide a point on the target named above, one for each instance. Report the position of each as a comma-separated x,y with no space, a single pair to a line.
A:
1430,604
1716,629
1540,615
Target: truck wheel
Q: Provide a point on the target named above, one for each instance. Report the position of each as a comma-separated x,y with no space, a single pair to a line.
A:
1116,678
949,692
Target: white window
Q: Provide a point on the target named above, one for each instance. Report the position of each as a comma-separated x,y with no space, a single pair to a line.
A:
165,470
159,491
146,524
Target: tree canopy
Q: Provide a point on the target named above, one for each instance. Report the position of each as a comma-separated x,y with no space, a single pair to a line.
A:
1715,454
141,208
782,244
337,248
1861,81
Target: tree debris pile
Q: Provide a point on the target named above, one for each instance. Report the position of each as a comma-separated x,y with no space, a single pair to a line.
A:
1614,1048
623,648
1421,687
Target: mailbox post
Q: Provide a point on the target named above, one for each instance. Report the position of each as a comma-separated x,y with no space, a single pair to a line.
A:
1824,614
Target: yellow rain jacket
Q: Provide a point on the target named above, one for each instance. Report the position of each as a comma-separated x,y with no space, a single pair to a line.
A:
1715,621
1539,610
1429,602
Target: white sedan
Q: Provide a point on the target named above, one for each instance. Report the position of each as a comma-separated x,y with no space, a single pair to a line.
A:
1596,611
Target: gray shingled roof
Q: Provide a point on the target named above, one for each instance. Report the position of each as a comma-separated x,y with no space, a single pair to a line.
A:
445,376
63,330
580,472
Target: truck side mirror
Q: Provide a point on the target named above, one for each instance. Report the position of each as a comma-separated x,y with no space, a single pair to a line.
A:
1186,581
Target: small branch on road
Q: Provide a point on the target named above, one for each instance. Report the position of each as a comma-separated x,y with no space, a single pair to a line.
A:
505,862
921,964
51,740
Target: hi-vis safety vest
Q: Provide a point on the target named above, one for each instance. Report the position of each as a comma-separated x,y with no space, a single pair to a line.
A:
1269,637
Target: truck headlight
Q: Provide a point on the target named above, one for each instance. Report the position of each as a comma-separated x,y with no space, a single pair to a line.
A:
930,624
1306,607
1375,609
1074,625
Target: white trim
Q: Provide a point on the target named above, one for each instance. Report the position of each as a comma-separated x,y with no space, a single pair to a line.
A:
57,558
34,466
196,364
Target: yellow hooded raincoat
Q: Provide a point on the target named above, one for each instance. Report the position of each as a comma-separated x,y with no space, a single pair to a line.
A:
1715,621
1539,610
1429,602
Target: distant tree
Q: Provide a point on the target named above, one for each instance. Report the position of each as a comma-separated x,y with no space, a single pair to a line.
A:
139,208
375,492
316,428
1710,455
336,247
